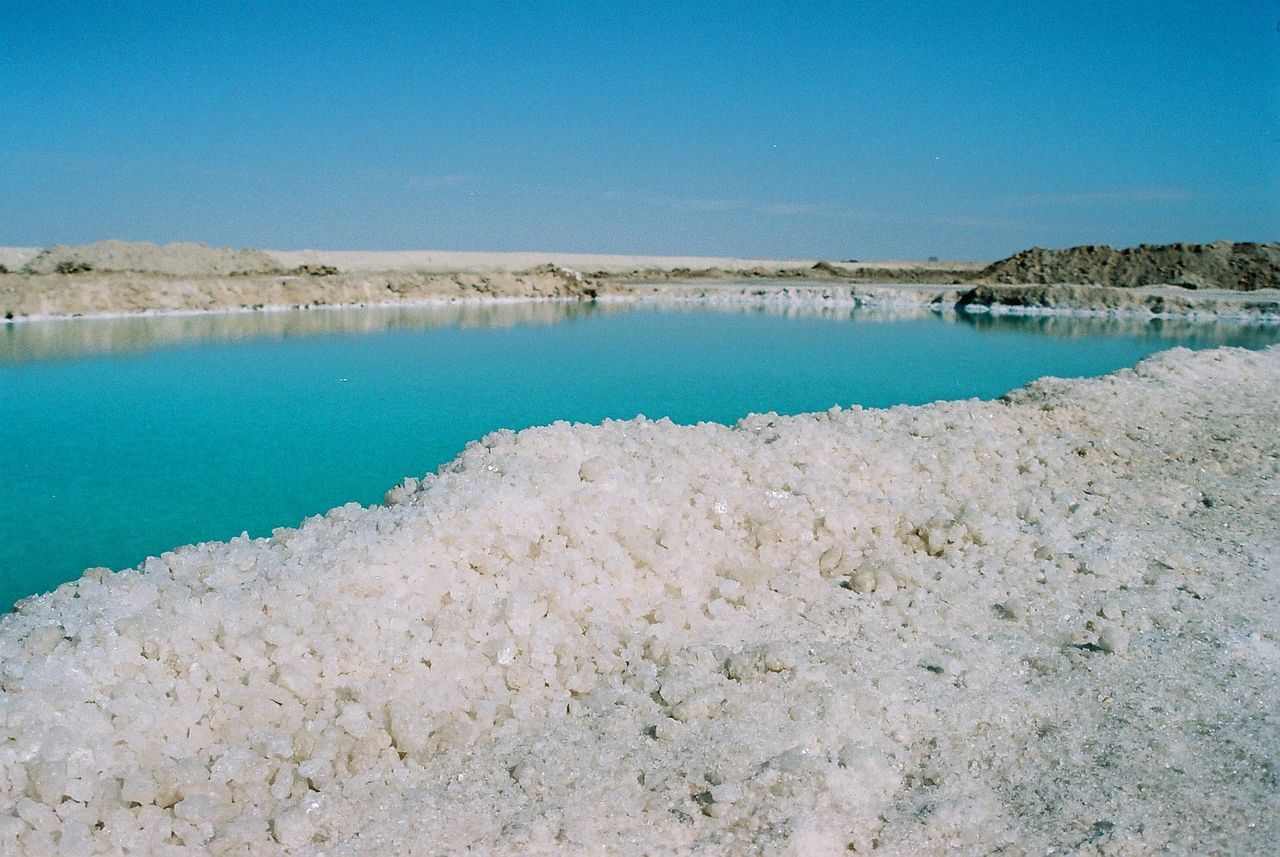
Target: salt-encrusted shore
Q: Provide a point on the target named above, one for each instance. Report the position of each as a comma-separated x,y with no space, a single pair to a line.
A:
1045,624
48,296
1162,301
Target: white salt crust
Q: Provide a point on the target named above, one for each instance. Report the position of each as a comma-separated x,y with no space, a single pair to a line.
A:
1042,625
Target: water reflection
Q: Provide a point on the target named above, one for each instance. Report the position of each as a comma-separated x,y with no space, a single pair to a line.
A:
804,309
29,341
1176,331
1199,332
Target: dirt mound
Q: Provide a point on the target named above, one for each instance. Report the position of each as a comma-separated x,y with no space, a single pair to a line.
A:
180,258
1220,265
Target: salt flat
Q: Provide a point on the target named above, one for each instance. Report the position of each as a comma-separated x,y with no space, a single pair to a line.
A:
1040,624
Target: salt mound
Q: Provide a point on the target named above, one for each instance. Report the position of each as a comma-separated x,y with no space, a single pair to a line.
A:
1045,623
180,258
1220,265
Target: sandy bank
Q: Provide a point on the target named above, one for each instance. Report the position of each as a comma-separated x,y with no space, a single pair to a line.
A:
25,296
1040,624
14,258
90,293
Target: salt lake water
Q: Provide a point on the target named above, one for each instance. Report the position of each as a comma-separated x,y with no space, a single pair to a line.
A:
122,438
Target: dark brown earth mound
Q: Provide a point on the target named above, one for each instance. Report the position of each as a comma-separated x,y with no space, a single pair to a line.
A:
1220,265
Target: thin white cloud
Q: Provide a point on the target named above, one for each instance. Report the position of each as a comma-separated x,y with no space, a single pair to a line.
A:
1102,197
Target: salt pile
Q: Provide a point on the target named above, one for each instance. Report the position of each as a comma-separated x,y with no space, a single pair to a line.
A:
1042,624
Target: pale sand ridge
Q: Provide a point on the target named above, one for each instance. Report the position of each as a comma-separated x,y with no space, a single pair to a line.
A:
14,258
442,261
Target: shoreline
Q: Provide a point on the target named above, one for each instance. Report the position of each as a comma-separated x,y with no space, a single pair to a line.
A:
1222,279
279,308
1160,302
1170,280
811,632
1154,302
91,293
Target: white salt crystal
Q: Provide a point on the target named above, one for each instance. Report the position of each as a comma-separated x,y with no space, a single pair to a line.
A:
292,828
42,640
593,469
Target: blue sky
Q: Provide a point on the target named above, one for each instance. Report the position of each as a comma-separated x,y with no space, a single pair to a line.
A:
837,130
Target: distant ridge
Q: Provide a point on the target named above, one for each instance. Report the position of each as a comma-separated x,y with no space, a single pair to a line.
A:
1226,265
182,258
1220,265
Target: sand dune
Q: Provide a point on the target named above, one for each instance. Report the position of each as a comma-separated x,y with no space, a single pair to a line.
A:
191,259
438,261
180,259
14,258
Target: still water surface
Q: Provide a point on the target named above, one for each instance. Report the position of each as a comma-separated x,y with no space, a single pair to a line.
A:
123,438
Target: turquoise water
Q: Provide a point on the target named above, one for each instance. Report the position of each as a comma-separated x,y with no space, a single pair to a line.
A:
123,438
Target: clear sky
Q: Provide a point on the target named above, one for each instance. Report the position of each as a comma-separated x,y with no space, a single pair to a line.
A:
835,130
